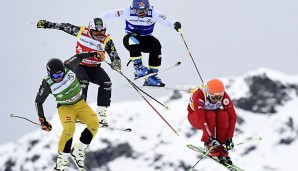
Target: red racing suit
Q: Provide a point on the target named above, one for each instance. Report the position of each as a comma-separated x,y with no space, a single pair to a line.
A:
85,43
90,69
215,120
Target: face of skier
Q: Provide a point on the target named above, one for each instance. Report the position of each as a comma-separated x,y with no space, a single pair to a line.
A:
98,35
57,77
141,12
214,98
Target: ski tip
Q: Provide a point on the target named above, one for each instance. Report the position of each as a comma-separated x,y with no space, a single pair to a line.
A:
178,63
128,130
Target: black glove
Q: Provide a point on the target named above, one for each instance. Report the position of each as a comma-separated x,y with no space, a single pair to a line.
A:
116,64
43,24
45,125
213,142
177,26
229,144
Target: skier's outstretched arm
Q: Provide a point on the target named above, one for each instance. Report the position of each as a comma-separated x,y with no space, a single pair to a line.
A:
113,54
43,93
73,62
163,19
118,13
111,49
66,27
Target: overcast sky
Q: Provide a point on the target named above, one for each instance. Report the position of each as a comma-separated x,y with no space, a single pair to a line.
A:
225,38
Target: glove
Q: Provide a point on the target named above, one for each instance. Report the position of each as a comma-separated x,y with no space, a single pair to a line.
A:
177,26
45,125
229,144
116,64
100,55
43,24
213,142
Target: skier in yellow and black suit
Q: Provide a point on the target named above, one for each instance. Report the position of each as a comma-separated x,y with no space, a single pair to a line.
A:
62,82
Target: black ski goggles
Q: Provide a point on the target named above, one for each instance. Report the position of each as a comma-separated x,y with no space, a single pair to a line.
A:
215,97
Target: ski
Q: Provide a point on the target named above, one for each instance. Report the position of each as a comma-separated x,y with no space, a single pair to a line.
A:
76,164
166,88
222,162
150,74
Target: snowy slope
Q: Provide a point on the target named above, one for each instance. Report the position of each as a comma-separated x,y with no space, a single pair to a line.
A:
152,145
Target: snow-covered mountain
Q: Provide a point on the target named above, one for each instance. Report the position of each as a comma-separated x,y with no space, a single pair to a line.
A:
265,101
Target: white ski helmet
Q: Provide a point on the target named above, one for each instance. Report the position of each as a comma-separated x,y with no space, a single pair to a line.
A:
97,24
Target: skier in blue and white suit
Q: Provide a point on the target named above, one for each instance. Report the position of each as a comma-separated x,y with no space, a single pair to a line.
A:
140,19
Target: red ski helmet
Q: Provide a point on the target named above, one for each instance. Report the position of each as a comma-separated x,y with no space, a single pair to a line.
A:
215,87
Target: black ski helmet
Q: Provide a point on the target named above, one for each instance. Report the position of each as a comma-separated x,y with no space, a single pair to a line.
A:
54,65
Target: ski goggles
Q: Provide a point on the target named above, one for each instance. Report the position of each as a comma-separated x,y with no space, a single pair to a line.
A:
215,97
100,27
98,33
57,75
141,12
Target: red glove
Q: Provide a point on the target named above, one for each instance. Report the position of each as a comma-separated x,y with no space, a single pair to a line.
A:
45,125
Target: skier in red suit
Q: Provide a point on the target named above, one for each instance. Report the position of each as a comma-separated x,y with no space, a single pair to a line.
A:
211,110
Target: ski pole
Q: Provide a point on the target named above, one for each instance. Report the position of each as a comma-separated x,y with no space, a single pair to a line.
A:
162,71
15,116
250,140
138,90
168,88
179,30
119,129
201,158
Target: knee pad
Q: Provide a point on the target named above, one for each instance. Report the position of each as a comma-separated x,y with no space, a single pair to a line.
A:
107,85
84,83
132,40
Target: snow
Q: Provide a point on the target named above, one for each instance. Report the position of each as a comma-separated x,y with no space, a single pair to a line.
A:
151,138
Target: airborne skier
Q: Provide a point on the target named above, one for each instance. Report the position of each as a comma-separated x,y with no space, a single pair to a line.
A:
65,87
211,110
140,19
92,39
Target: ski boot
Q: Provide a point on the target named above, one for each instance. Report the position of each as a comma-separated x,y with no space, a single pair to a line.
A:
225,154
223,150
229,160
214,152
221,160
140,69
154,80
102,116
62,164
78,155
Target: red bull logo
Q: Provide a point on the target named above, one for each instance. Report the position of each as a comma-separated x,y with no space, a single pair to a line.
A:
142,4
